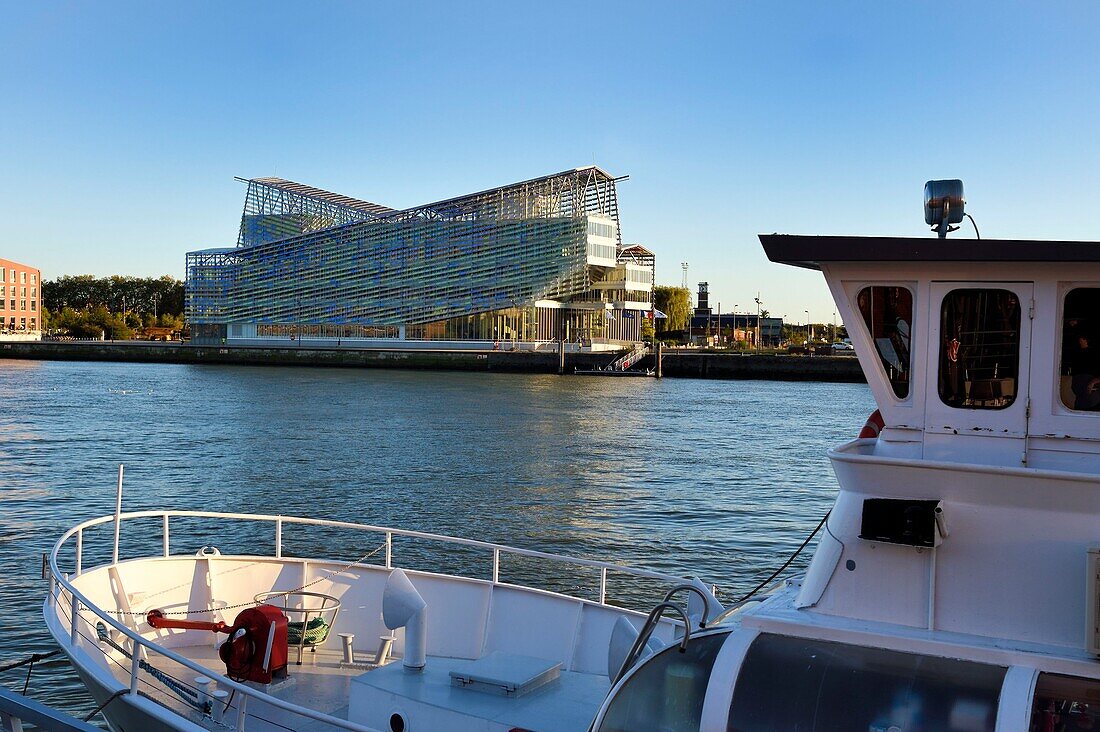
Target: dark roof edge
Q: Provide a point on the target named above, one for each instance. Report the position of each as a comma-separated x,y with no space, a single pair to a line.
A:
811,251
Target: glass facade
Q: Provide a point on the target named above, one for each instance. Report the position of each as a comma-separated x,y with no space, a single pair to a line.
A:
474,267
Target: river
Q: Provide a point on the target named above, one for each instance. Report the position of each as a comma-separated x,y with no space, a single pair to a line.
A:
720,479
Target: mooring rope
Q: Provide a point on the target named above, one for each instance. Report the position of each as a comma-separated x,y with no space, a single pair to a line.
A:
110,699
32,659
29,663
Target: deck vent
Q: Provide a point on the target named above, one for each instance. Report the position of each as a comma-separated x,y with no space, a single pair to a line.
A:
944,204
1092,600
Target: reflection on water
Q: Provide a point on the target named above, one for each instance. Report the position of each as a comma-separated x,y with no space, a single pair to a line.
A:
715,478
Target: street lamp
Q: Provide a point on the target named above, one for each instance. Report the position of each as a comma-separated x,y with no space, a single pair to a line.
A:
758,304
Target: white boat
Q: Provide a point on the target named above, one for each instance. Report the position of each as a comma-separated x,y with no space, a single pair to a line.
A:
954,586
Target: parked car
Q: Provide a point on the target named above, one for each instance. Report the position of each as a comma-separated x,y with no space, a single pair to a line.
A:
843,346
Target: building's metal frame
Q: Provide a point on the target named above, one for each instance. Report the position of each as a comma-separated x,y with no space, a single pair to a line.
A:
306,255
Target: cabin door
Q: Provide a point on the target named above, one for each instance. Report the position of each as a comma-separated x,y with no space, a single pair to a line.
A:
978,370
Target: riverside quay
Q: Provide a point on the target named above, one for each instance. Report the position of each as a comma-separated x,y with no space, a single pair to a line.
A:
520,267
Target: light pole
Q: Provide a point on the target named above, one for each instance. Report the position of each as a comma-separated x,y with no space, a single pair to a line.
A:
757,338
807,326
719,343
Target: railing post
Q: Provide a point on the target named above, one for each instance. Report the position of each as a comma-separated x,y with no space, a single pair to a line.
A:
279,537
74,617
118,515
389,550
79,551
135,666
603,585
496,565
164,536
242,713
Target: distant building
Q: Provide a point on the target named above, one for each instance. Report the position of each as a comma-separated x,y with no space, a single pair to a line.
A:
737,327
518,266
21,305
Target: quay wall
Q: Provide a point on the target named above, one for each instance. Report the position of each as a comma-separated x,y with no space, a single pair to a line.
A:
686,364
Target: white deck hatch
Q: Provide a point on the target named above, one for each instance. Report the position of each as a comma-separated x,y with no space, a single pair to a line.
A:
506,674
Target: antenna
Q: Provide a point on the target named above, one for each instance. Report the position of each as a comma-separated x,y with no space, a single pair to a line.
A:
684,284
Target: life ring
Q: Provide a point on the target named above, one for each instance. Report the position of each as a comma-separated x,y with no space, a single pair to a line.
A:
872,426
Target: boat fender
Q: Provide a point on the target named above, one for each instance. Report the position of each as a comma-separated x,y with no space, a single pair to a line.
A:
873,426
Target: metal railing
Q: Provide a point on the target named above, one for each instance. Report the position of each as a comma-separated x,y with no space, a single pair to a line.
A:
62,590
16,709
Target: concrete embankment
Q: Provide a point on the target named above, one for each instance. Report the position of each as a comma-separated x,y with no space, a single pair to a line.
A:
676,363
702,365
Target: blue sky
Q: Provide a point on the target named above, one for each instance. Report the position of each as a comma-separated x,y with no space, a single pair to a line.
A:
122,125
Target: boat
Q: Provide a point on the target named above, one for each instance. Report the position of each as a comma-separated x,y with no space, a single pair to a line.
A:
954,585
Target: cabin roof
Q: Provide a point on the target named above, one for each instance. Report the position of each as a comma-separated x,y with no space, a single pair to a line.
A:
811,251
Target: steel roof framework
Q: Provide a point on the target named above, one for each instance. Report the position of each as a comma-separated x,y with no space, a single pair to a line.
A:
480,252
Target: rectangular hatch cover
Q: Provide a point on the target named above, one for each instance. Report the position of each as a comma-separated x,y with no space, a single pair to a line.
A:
505,674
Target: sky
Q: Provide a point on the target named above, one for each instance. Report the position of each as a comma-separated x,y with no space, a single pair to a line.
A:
122,126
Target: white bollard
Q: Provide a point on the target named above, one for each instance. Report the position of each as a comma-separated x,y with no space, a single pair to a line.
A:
349,651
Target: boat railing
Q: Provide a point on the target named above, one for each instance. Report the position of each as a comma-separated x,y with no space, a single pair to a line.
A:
70,602
16,709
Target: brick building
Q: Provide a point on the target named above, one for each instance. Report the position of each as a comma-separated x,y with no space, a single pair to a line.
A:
20,301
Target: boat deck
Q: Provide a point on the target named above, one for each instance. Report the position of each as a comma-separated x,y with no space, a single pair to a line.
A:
322,683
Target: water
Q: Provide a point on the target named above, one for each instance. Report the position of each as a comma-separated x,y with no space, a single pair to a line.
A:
722,479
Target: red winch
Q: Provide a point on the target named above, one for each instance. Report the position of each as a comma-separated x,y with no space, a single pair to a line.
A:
256,649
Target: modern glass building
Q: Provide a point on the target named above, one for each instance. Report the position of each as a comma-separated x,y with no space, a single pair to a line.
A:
513,267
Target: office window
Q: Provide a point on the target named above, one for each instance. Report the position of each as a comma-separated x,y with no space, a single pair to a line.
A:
888,313
34,279
23,292
22,304
23,277
1080,368
12,304
979,349
34,324
34,305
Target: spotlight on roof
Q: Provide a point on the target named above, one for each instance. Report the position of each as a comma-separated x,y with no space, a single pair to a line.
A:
944,204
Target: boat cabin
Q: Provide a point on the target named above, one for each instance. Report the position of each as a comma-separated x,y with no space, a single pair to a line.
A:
976,350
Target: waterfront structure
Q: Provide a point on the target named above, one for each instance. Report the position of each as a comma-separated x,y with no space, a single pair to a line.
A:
513,267
20,301
737,327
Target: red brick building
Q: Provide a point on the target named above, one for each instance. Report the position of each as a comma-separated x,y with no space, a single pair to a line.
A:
20,300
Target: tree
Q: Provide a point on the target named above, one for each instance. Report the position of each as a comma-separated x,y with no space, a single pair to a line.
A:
647,330
116,293
675,302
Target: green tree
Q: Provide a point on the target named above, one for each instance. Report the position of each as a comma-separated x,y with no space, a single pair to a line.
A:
675,302
647,330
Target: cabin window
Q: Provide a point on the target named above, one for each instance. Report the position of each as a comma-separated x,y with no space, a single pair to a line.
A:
888,313
788,683
667,691
1065,703
979,348
1080,376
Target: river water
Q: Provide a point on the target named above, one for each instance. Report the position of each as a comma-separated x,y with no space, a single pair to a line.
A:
720,479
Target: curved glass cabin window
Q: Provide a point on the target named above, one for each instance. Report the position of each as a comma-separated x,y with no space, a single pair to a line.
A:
1065,703
979,349
888,313
1080,375
666,693
815,686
